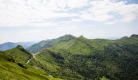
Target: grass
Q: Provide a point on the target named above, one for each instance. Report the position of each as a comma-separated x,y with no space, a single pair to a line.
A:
19,53
87,58
11,71
58,43
104,78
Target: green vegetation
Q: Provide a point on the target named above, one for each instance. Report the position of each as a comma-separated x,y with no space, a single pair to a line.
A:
103,78
10,70
73,58
19,53
88,59
61,42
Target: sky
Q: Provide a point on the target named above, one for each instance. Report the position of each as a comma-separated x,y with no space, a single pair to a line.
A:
36,20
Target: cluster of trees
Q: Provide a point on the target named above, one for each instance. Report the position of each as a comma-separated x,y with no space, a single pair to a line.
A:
92,59
120,63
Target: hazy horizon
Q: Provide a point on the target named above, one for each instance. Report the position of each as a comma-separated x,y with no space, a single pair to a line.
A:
36,20
63,35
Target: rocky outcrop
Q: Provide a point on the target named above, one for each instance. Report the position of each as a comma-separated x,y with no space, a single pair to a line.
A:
21,65
12,60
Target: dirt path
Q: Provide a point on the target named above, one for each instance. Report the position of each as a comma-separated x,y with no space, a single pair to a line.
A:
35,54
32,57
29,60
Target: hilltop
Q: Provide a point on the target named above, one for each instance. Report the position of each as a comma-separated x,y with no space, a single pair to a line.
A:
72,58
19,53
13,66
61,42
91,59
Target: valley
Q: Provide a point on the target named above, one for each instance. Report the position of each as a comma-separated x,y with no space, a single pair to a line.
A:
72,58
68,40
32,57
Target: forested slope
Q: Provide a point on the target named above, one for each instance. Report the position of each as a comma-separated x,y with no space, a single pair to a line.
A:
19,53
92,59
61,42
14,69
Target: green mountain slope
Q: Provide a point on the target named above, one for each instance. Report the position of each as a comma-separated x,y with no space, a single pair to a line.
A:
19,53
10,70
12,64
52,62
61,42
90,59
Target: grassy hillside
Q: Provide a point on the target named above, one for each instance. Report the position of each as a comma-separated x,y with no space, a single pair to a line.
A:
61,42
90,59
19,53
52,63
10,70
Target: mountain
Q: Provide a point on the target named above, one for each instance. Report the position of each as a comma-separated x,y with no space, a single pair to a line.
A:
90,59
71,58
26,44
61,42
9,45
19,53
134,35
13,66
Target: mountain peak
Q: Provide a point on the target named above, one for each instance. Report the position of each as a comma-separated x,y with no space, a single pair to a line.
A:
67,35
81,37
67,40
125,37
20,47
134,35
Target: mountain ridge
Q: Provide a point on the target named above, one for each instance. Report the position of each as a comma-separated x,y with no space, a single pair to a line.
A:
9,45
91,59
19,53
10,69
63,40
72,58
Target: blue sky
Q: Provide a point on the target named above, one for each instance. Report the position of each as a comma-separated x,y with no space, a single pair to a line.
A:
36,20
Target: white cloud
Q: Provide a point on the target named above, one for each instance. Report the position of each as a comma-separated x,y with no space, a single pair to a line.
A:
14,13
90,16
58,29
103,10
90,25
111,22
77,3
64,23
46,24
21,13
76,20
31,31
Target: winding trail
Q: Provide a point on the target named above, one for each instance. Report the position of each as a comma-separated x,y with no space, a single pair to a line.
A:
32,57
28,61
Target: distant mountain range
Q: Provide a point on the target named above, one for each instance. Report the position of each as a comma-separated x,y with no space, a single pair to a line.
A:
73,58
9,45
